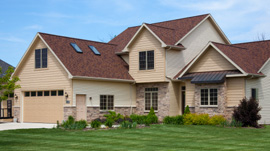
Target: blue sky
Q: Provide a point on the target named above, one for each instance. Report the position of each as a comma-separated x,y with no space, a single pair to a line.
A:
99,20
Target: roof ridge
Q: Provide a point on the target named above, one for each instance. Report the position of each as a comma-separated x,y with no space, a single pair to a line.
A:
231,45
159,26
77,38
252,42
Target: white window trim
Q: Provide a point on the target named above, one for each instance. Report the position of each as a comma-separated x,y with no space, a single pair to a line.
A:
150,101
208,98
106,110
146,61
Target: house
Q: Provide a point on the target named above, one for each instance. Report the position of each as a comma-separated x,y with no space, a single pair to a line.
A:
222,74
6,110
152,65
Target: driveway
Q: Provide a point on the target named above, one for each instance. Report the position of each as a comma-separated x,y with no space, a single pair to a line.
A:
13,126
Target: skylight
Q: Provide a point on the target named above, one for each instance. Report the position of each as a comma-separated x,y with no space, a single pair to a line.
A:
96,52
76,47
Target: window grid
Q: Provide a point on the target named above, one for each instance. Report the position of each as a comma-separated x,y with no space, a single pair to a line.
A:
209,97
106,102
41,58
44,93
146,60
151,98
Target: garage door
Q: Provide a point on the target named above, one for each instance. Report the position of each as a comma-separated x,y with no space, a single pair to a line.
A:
43,106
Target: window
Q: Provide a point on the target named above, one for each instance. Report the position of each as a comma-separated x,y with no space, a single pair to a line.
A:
96,52
106,102
151,98
60,92
76,47
146,60
254,93
33,93
11,95
53,93
209,97
41,57
40,93
46,93
26,94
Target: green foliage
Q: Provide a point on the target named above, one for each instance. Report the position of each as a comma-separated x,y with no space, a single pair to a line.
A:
247,112
187,111
57,124
112,115
176,120
71,124
109,122
128,125
196,119
216,120
7,85
95,124
151,117
232,123
140,119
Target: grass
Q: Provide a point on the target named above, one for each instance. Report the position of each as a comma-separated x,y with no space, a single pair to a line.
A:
157,137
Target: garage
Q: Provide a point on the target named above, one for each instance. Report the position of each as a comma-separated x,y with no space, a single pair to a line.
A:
43,106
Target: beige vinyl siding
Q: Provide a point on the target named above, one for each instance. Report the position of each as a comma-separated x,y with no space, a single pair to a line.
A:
51,78
211,60
125,58
146,41
174,98
190,94
263,86
235,91
122,92
194,43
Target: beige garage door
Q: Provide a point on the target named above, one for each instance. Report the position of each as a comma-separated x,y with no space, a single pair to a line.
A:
43,109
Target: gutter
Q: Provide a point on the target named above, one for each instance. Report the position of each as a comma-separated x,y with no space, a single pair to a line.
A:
101,79
174,47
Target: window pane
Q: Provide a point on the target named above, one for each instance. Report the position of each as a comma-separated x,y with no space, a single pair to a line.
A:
150,59
60,92
110,102
26,94
103,102
44,58
155,100
204,96
40,93
147,101
254,93
142,60
37,58
53,93
213,96
11,95
33,93
46,93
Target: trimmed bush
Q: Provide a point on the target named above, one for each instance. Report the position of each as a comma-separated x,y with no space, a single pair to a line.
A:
140,119
103,120
72,125
248,112
112,115
196,119
187,111
216,120
95,124
109,122
151,117
176,120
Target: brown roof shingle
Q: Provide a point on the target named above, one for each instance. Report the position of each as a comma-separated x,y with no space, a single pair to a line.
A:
168,31
107,65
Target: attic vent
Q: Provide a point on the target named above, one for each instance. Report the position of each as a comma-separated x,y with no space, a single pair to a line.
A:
96,52
76,47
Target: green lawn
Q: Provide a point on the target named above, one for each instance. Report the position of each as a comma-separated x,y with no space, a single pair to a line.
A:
157,137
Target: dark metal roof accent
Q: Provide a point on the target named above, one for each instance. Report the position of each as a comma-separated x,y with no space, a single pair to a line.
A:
208,77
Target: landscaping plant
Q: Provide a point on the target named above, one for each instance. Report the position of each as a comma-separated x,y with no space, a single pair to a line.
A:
176,120
112,115
140,119
109,122
216,120
73,125
95,124
187,111
151,117
128,125
248,112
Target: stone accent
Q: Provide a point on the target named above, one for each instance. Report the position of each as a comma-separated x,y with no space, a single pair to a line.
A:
69,110
17,113
163,99
229,113
192,109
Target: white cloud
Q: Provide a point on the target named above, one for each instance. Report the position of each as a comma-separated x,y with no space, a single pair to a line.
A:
34,27
12,39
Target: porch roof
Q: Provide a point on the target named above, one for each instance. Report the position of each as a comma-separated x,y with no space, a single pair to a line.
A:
208,77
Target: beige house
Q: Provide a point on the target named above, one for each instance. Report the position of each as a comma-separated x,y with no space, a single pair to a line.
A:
137,70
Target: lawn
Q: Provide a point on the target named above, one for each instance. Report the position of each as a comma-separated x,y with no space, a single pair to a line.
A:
157,137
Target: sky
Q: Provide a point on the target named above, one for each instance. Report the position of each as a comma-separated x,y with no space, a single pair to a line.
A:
101,20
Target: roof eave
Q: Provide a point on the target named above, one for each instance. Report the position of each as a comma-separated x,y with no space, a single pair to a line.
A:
102,79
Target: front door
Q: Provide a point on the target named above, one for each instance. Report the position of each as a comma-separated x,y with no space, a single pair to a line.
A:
81,107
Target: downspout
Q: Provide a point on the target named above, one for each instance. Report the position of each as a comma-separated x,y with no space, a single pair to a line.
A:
130,96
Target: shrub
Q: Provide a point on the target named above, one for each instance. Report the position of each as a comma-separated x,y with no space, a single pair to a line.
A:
187,111
112,115
177,120
216,120
248,112
100,120
128,125
196,119
72,125
119,121
79,124
109,122
140,119
232,123
151,117
57,124
188,119
95,124
66,124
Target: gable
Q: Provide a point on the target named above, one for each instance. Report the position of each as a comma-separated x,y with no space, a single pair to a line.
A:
211,60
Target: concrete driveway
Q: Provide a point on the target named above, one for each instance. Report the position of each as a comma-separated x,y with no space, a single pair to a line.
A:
13,126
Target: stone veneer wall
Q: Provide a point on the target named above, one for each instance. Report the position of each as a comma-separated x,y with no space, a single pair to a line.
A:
163,99
69,111
17,113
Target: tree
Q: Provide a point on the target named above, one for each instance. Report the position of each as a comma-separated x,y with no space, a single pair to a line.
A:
7,84
261,37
